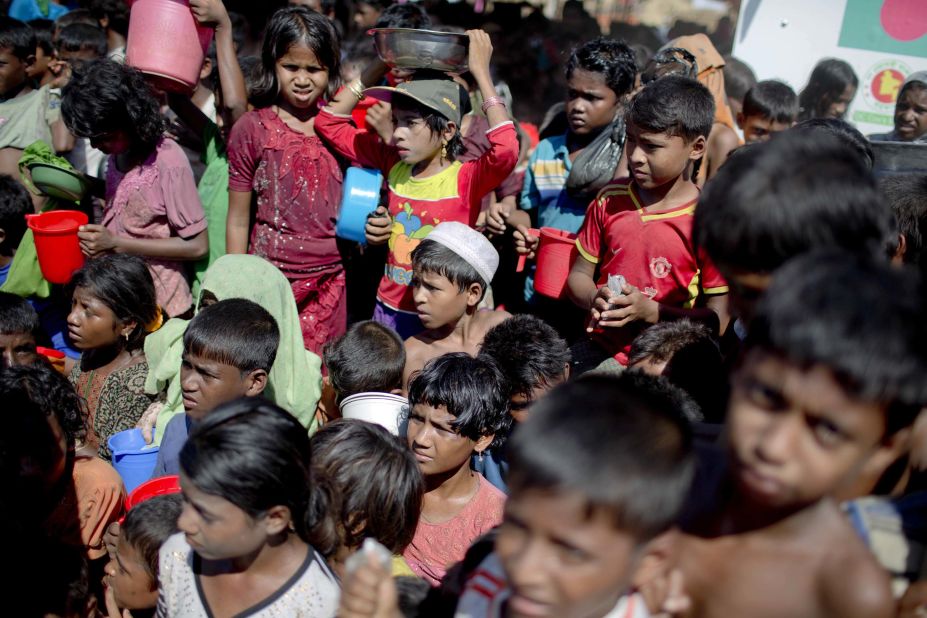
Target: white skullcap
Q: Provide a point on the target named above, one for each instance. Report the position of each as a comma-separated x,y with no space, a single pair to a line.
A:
470,245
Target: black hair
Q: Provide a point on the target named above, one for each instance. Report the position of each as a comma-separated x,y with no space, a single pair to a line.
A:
376,479
660,386
829,79
256,455
670,61
18,37
772,99
297,25
148,525
123,283
663,340
678,106
404,16
76,16
251,71
786,196
380,5
368,358
15,204
116,12
42,388
843,131
625,449
907,197
43,29
236,332
105,95
860,319
17,316
472,389
738,77
436,123
529,352
433,257
83,37
611,59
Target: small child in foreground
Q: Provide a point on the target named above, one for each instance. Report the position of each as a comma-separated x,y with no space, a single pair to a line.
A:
830,383
769,107
19,324
452,269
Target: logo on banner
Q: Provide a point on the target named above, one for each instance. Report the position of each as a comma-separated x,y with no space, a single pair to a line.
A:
879,87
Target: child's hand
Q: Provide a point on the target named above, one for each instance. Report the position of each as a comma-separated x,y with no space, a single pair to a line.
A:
210,12
380,119
379,226
497,216
369,592
147,422
112,609
61,69
526,243
96,240
480,53
665,595
610,310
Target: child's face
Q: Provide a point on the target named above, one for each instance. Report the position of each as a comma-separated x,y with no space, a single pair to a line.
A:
365,16
760,128
437,446
911,113
40,66
13,71
207,383
438,301
795,435
91,324
111,142
519,402
301,77
132,587
17,349
413,138
560,561
590,103
838,108
656,159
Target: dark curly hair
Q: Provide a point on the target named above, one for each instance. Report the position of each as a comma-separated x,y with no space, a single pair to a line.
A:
612,59
39,386
105,96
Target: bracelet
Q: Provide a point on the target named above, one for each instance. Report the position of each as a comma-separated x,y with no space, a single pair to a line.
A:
356,88
491,101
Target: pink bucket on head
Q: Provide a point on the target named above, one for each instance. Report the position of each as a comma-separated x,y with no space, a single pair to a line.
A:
555,258
56,243
167,43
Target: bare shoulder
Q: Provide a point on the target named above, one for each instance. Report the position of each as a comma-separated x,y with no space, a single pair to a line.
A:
488,319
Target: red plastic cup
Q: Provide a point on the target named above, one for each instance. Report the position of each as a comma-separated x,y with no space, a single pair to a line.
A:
555,259
56,244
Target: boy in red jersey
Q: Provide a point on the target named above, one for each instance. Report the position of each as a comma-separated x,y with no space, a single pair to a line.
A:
641,228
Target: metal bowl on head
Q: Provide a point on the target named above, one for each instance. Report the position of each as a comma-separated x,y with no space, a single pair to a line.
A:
408,48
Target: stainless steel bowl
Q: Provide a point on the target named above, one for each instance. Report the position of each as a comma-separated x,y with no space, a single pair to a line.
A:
408,48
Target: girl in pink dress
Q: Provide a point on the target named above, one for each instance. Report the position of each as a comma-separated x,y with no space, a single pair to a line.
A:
152,207
276,160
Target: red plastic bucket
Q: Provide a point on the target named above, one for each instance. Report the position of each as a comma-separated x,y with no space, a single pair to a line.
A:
167,43
160,486
555,258
56,244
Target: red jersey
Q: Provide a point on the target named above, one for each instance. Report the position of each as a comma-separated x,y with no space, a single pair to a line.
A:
418,204
653,251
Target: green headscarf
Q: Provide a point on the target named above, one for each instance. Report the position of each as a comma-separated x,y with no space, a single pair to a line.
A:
295,380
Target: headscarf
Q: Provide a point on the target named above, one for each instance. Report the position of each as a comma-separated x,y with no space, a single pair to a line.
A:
295,380
710,72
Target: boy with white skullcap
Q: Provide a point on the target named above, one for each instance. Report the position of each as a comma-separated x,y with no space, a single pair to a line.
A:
452,268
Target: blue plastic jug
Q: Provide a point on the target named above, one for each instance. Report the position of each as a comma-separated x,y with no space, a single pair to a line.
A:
133,458
360,198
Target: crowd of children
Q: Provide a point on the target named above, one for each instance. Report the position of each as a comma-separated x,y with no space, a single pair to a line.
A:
720,415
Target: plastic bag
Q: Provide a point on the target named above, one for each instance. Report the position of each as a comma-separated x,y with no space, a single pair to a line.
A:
595,165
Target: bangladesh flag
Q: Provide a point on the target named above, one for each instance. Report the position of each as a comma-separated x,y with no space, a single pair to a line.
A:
887,26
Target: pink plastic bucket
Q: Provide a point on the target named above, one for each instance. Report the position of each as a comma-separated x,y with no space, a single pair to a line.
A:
56,244
167,43
555,258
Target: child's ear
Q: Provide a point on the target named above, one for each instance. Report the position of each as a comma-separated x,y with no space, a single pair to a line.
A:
483,443
698,148
128,327
29,60
656,560
450,131
255,383
277,519
206,69
474,294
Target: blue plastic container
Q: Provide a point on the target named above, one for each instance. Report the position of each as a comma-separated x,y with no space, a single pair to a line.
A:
133,458
360,198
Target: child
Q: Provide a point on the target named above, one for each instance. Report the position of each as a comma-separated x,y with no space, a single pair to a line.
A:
599,475
19,326
830,90
426,183
457,406
276,158
738,79
367,12
910,112
152,208
827,392
79,43
15,204
769,107
132,573
228,350
378,484
641,228
368,358
247,520
112,310
451,269
907,197
44,51
113,17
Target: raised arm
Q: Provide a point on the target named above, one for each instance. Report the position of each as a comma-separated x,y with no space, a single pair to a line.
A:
480,55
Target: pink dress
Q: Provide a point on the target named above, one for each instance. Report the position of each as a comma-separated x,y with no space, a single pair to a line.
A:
157,199
436,547
297,185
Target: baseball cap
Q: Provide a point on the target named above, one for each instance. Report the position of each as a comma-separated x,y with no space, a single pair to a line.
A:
440,95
